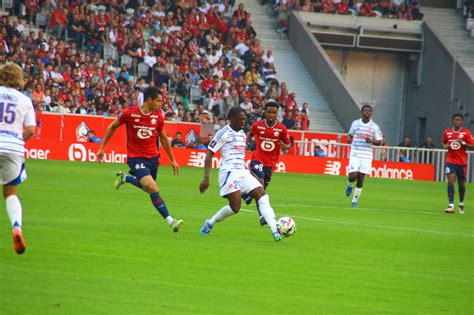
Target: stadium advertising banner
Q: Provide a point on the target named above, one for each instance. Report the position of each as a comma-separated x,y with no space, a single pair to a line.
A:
117,153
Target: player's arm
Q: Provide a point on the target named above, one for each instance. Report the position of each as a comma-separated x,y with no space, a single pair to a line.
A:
214,146
207,167
285,141
165,142
377,139
108,135
29,123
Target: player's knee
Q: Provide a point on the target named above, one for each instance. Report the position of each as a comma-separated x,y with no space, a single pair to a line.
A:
235,207
150,188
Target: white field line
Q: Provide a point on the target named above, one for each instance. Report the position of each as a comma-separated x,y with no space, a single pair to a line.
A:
364,209
378,226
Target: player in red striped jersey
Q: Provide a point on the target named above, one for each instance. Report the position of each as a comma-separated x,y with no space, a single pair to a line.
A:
271,136
456,139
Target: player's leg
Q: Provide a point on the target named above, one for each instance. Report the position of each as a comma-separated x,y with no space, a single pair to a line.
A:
230,189
451,176
266,181
354,166
461,187
365,167
15,213
146,174
256,169
358,189
149,186
253,187
13,174
135,165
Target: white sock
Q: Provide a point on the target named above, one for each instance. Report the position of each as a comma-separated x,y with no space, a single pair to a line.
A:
220,215
267,212
169,219
357,193
14,210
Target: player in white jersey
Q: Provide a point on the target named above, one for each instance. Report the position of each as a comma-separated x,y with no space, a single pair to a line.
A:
363,135
17,125
234,177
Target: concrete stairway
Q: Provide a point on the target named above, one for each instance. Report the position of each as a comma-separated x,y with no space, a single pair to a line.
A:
450,27
290,69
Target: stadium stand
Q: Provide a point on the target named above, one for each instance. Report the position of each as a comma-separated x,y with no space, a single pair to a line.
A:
205,58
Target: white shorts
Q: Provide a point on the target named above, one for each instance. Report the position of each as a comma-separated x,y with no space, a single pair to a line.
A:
360,165
242,180
12,169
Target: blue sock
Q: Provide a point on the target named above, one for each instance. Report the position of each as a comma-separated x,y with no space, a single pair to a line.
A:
133,180
462,190
451,194
159,204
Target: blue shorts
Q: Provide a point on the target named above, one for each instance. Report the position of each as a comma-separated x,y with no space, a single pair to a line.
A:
460,170
141,167
261,171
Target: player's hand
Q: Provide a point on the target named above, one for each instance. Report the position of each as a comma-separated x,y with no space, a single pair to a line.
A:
100,155
204,185
175,166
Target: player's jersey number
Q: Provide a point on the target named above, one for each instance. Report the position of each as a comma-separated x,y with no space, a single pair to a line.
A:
7,113
267,146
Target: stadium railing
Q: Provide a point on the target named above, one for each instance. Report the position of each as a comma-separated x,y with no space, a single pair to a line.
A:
437,157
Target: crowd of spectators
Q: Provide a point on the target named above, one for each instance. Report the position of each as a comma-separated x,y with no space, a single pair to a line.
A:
208,47
393,9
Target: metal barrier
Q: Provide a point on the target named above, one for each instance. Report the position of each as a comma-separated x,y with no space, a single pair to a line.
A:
437,157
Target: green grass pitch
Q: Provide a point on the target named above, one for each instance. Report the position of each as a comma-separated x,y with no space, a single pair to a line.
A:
95,250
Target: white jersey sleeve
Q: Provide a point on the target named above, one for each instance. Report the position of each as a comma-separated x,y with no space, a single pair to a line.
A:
219,139
16,111
232,145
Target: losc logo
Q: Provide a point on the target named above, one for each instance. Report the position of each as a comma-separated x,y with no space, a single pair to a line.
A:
77,152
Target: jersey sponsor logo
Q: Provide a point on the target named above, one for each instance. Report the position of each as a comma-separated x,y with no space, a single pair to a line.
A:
455,145
136,115
267,146
144,133
332,168
81,132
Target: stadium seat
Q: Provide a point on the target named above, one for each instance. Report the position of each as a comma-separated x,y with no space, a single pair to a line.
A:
143,69
41,19
126,60
7,4
110,52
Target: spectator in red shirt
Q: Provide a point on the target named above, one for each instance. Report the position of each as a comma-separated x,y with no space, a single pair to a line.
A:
58,21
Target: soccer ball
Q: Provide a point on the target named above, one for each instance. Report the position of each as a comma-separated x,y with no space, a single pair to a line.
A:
286,226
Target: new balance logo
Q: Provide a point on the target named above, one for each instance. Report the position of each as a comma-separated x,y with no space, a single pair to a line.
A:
197,159
332,168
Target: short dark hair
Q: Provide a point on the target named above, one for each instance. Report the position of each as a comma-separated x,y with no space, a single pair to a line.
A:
365,106
151,92
271,103
234,112
458,115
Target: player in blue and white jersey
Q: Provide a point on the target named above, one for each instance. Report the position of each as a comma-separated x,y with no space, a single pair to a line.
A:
17,125
363,135
234,177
